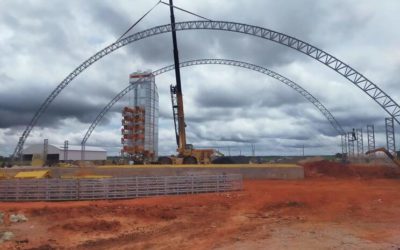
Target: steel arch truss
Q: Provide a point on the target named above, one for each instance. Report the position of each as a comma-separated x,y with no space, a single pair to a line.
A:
249,66
371,89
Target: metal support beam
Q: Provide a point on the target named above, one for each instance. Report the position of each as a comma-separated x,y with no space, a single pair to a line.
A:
83,151
390,135
371,137
253,149
65,150
343,138
350,144
360,142
45,150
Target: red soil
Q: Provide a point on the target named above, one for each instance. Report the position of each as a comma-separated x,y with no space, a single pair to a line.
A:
315,213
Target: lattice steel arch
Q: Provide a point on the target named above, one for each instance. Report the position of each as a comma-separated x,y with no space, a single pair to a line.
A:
371,89
240,64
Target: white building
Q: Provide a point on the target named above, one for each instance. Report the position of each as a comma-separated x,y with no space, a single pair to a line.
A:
56,153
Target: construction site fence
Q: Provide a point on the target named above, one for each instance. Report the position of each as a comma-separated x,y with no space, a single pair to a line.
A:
115,188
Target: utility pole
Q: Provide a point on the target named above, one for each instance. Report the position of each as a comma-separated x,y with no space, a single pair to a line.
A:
253,149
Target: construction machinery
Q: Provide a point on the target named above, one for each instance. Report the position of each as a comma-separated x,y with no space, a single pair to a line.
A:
384,150
186,153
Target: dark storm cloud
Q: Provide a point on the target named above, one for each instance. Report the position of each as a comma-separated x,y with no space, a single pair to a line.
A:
20,116
109,17
40,41
18,109
244,96
158,49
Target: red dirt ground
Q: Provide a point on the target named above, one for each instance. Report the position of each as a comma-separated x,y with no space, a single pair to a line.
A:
327,210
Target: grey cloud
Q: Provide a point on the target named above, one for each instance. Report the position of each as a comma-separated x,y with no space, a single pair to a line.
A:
57,41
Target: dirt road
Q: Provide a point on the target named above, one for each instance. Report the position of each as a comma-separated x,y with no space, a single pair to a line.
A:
316,213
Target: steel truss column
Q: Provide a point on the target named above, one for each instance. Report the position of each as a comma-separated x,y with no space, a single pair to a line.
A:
371,137
343,138
45,150
66,150
390,135
20,156
83,151
350,143
360,142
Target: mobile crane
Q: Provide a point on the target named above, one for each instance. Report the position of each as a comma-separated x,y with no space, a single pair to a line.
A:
186,153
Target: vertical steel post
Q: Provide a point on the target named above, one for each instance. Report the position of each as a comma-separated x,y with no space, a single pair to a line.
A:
343,138
83,151
350,143
21,155
65,150
371,137
45,150
253,149
360,142
390,135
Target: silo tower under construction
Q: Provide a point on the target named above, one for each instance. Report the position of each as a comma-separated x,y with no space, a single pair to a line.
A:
140,120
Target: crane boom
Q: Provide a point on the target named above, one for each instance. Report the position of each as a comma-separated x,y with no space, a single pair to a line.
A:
186,153
179,96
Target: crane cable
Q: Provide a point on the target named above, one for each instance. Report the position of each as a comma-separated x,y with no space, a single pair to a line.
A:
194,14
140,19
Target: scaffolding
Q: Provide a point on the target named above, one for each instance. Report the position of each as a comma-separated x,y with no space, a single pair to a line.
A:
140,120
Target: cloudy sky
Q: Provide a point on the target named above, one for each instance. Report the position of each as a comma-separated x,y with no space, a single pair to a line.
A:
41,42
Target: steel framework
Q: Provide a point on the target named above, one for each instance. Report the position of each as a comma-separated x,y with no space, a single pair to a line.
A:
66,150
371,89
249,66
45,149
343,139
350,144
390,136
360,142
371,137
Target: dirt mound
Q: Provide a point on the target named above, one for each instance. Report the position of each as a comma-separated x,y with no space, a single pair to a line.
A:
92,226
341,170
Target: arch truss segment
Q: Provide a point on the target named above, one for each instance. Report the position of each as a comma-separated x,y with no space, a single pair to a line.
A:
249,66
